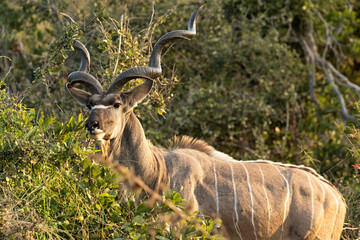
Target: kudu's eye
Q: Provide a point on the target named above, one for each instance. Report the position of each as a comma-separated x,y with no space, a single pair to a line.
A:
89,106
117,105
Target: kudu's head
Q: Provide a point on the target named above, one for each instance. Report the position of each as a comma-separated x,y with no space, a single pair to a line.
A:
109,109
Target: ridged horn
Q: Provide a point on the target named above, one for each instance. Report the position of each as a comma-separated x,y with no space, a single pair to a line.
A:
82,75
85,56
154,70
87,80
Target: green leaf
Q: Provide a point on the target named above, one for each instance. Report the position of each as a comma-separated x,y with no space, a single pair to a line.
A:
49,121
137,236
138,219
58,127
32,131
106,195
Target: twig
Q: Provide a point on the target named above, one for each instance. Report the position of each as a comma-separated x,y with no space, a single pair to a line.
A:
328,35
287,126
310,58
102,30
32,84
347,82
96,16
330,38
119,47
151,19
330,79
10,68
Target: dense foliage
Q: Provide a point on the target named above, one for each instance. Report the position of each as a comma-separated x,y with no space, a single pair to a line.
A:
262,79
50,189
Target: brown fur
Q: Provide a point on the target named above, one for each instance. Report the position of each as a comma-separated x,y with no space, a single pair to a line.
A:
306,169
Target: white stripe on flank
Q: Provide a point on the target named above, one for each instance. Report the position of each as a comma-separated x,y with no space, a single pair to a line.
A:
216,191
225,157
337,209
312,203
323,214
235,203
323,192
286,200
292,166
251,199
267,199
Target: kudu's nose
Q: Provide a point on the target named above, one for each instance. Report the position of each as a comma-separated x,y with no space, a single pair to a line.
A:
91,125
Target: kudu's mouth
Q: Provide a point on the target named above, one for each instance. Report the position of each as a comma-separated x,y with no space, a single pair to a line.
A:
95,133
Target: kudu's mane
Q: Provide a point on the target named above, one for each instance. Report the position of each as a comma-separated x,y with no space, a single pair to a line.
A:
191,143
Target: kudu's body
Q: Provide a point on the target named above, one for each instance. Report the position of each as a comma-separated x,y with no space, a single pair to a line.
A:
254,199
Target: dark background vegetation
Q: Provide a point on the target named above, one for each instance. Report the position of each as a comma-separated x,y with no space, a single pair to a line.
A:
261,80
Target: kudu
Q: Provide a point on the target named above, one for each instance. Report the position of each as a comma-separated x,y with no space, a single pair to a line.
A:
254,199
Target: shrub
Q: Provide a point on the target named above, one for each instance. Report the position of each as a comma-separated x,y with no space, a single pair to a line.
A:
50,189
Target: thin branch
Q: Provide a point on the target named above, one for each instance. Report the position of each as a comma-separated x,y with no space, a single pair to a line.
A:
287,126
32,84
310,59
312,84
96,16
331,81
149,30
119,47
345,80
22,94
328,35
330,38
102,30
10,68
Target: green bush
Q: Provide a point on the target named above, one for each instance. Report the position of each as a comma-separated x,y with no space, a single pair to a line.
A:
50,189
351,187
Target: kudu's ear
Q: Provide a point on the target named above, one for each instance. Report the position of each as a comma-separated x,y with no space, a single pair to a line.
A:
136,95
79,95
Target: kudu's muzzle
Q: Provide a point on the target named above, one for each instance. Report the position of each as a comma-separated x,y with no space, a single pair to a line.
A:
91,125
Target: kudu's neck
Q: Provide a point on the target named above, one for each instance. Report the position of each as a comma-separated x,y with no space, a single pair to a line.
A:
133,150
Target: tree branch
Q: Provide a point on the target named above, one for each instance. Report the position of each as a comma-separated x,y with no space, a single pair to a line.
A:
310,59
120,40
312,56
330,79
